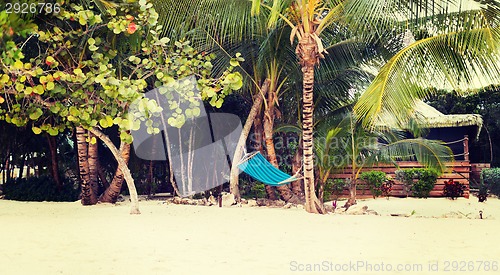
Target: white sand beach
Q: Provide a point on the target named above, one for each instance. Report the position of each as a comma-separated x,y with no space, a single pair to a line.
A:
440,236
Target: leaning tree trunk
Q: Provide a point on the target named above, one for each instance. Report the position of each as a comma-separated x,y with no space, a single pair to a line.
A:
285,192
259,139
307,51
88,196
238,153
111,193
122,165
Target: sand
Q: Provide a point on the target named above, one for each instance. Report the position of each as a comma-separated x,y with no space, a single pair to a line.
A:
67,238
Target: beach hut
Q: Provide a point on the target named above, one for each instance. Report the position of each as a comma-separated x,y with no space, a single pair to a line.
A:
456,130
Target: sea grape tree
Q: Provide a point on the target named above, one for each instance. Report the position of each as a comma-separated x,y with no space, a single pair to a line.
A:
89,66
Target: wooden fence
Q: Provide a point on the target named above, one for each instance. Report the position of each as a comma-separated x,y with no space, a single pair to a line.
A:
458,171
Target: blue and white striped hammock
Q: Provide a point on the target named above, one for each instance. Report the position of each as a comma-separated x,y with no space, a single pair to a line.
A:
257,166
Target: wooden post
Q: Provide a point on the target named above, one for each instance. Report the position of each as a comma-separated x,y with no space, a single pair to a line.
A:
466,147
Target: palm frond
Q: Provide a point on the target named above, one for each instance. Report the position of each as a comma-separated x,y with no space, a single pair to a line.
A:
225,21
430,153
456,61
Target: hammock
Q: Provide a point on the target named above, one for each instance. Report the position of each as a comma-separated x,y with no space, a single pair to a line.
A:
257,166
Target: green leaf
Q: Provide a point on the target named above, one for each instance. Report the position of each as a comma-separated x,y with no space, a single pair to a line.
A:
53,131
55,109
36,114
234,62
36,130
39,89
18,65
19,87
50,86
104,123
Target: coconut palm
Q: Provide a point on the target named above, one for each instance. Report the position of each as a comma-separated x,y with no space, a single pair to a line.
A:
343,142
458,49
463,47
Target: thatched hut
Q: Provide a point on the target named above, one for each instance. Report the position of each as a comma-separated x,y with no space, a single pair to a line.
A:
455,130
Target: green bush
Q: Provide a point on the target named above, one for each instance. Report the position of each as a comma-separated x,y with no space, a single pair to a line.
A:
333,187
375,180
418,181
258,190
491,179
42,188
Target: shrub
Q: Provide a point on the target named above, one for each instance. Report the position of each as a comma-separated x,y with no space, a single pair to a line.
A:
482,195
418,181
387,187
491,179
259,190
453,189
41,188
333,187
374,180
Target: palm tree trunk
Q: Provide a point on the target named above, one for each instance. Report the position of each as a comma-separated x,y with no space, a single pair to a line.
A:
307,51
352,193
122,165
93,165
259,139
88,196
238,154
111,193
284,191
102,176
298,185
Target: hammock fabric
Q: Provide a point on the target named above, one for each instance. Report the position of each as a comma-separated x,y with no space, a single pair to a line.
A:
257,166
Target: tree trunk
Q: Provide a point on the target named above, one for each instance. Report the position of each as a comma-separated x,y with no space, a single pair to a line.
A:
93,165
111,193
169,158
21,166
54,163
166,145
150,178
122,165
259,139
284,191
88,196
102,176
298,185
307,51
238,154
352,193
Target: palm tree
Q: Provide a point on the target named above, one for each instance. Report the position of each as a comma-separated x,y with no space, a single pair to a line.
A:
462,48
458,50
307,19
343,142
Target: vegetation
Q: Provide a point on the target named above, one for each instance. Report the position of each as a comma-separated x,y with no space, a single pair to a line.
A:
491,179
333,189
40,188
485,102
72,79
418,182
453,189
344,143
375,180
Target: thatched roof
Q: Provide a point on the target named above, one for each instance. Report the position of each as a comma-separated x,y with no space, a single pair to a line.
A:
432,118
